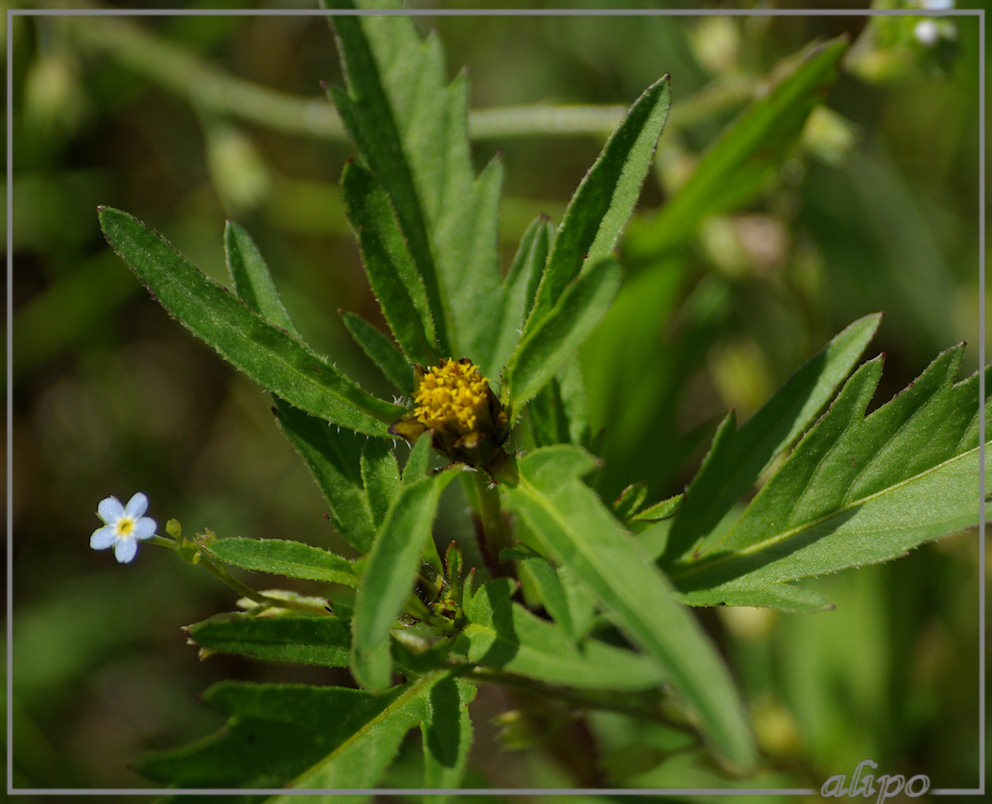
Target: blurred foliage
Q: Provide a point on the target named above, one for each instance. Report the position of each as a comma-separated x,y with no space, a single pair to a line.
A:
874,210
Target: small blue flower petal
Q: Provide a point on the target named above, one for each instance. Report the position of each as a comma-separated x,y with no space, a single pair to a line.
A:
110,510
103,537
145,528
136,506
125,550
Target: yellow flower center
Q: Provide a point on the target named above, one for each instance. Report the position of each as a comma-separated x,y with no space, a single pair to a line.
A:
454,394
125,526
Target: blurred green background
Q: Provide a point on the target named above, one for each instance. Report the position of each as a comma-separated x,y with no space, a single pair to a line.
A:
873,207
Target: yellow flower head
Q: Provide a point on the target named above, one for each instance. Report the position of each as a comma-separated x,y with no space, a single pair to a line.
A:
454,401
453,396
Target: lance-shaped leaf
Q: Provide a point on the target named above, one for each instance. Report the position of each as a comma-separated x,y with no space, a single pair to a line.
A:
446,734
388,577
300,639
252,281
360,760
331,456
740,163
739,455
578,532
419,460
292,735
380,350
520,286
381,477
504,635
604,200
281,557
368,117
546,347
855,490
460,210
541,574
392,274
333,459
410,127
272,358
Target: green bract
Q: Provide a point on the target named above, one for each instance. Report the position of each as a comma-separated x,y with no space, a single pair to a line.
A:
562,595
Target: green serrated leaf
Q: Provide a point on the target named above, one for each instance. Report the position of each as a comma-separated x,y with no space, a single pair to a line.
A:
272,358
630,501
360,760
381,478
388,576
419,461
661,510
856,490
392,274
252,281
333,459
604,200
505,635
369,118
549,343
246,753
520,287
744,158
446,734
578,532
301,639
550,589
575,403
280,557
739,455
782,596
293,735
546,412
380,350
459,209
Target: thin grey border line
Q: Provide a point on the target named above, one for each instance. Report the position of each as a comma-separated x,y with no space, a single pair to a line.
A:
411,791
10,403
493,12
11,13
981,396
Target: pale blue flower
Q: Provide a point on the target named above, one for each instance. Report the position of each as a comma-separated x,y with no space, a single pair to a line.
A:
125,526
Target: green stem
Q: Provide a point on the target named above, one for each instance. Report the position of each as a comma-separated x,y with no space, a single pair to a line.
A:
201,83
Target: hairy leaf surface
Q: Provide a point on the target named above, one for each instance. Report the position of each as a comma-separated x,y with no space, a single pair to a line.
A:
282,557
301,639
547,346
381,351
333,458
388,577
297,735
739,455
578,532
506,636
410,126
446,734
604,200
266,354
251,277
856,490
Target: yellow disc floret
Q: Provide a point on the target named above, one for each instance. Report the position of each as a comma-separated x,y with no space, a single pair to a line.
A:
453,396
